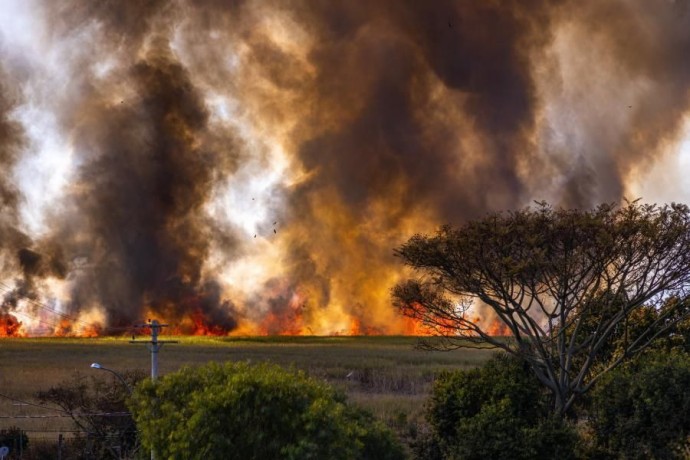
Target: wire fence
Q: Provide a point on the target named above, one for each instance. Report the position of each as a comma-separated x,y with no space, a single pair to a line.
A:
68,445
111,435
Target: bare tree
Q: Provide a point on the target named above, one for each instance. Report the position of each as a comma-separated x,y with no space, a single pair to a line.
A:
98,410
566,283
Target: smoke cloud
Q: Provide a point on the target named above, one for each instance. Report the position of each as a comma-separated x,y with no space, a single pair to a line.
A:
249,166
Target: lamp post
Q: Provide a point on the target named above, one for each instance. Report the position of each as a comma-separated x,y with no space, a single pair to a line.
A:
122,379
124,382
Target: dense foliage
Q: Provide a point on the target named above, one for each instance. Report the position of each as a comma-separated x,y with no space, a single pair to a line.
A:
642,410
498,411
239,411
565,284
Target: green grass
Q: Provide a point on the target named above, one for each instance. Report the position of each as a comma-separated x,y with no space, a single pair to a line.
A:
386,374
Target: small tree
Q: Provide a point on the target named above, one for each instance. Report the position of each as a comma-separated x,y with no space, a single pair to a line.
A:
563,282
97,407
238,411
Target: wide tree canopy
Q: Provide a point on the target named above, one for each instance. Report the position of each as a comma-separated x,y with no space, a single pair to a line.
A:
565,283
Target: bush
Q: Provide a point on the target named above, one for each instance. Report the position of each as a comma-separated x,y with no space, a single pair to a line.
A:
238,411
15,439
498,411
642,410
85,400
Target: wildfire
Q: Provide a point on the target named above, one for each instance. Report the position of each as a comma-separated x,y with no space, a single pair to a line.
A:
289,321
498,329
285,308
414,327
67,328
203,327
10,326
356,328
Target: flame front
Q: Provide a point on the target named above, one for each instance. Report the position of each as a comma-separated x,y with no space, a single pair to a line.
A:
248,167
10,326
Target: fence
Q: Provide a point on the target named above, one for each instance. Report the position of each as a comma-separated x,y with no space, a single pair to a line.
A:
51,445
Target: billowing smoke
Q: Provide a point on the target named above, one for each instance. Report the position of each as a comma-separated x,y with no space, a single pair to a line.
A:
250,165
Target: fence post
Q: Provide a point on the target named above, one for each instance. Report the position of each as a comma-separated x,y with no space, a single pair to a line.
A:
60,438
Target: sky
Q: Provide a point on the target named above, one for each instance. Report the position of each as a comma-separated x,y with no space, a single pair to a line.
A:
249,166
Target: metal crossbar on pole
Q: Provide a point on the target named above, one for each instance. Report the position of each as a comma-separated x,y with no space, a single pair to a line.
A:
154,345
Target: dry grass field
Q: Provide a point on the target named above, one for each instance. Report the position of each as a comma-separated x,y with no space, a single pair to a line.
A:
387,375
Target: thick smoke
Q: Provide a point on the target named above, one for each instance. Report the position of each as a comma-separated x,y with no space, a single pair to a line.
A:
254,163
143,193
11,236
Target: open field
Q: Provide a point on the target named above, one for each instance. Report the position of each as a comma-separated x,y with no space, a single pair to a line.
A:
388,375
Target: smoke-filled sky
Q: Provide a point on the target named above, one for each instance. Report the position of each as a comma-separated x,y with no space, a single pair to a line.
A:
249,166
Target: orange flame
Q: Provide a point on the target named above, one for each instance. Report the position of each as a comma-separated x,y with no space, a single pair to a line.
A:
291,319
498,329
10,326
356,328
65,328
201,325
288,320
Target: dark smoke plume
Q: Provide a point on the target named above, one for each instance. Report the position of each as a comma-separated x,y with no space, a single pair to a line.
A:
373,120
12,239
143,195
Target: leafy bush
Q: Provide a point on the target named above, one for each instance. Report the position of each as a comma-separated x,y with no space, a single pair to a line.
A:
498,411
238,411
642,410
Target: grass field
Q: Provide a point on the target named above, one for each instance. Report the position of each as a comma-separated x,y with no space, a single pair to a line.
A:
387,375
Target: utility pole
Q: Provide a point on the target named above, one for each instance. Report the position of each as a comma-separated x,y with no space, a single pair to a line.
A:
154,346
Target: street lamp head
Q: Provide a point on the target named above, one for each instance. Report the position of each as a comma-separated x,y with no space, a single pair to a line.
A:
96,366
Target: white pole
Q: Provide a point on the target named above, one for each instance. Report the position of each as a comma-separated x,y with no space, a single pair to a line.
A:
154,346
155,326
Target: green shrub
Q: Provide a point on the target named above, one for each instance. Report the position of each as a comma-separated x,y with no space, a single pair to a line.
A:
238,411
642,410
498,411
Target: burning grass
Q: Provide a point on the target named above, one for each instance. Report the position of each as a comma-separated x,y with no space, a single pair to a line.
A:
10,326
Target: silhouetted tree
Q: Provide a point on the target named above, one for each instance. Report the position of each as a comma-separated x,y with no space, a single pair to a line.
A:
97,407
566,284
